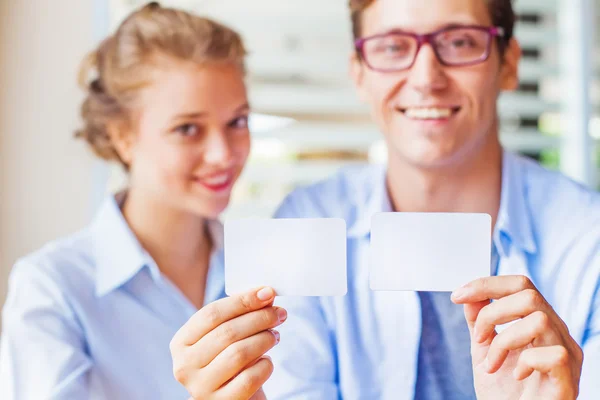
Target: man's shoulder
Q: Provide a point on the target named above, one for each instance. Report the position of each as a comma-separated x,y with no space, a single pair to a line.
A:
543,180
339,196
564,213
549,191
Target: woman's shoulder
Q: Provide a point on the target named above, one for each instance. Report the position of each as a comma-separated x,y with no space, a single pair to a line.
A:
46,303
59,268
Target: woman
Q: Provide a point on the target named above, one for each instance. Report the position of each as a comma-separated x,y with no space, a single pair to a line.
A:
93,315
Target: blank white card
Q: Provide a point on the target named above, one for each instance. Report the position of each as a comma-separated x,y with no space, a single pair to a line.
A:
437,252
296,257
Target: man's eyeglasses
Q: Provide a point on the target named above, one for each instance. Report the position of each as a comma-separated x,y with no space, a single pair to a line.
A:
453,46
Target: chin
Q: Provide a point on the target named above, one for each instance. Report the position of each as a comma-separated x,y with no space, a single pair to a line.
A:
209,210
432,158
215,212
432,152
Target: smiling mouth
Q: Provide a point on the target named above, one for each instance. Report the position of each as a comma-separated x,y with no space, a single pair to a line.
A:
429,113
217,183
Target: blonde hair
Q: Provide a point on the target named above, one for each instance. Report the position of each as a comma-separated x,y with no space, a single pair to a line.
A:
122,62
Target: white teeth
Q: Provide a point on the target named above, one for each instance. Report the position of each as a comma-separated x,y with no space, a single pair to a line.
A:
217,180
428,113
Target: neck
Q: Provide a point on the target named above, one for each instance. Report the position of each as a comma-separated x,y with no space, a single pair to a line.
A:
176,240
473,185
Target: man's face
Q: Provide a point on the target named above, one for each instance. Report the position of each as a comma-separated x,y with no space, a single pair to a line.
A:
434,115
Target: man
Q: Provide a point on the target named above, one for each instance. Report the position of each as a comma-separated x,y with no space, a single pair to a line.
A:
434,97
431,72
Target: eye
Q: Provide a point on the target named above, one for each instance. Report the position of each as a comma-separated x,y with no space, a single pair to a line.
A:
187,130
239,123
393,48
464,41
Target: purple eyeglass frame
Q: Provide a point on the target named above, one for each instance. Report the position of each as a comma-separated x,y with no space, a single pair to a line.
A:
493,31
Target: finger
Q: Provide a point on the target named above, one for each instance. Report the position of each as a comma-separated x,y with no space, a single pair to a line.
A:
536,329
237,357
220,311
493,287
249,381
210,345
478,351
260,395
472,310
552,360
508,309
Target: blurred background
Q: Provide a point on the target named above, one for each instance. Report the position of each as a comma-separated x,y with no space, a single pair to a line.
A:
51,185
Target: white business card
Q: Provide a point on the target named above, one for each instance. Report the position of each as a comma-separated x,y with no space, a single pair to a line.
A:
296,257
437,252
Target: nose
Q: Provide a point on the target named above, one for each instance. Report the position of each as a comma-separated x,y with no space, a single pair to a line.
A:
427,73
217,149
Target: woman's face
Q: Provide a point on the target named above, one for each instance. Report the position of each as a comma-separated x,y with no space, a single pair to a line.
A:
191,137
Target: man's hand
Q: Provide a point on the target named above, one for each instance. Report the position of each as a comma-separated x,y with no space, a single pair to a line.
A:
534,358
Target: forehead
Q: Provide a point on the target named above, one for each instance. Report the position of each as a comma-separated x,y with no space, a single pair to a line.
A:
176,84
423,16
189,77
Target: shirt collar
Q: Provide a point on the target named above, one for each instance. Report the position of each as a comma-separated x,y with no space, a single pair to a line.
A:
376,200
119,255
513,226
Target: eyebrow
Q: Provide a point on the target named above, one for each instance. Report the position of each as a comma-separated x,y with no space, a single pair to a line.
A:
194,115
191,115
458,25
243,107
440,28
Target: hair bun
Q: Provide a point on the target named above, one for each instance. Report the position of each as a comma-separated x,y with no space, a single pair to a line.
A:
96,86
153,5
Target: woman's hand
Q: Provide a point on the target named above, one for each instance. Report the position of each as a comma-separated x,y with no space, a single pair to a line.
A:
220,352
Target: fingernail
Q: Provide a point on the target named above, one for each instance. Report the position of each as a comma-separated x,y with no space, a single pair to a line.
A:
281,315
265,294
516,374
459,293
486,365
276,334
478,335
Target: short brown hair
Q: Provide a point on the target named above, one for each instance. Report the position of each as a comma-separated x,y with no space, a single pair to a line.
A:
122,61
501,11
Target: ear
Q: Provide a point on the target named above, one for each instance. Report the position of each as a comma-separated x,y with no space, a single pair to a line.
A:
357,72
509,70
122,139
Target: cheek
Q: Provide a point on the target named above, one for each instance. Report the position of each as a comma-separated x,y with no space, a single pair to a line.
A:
240,147
180,164
482,89
170,166
381,91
